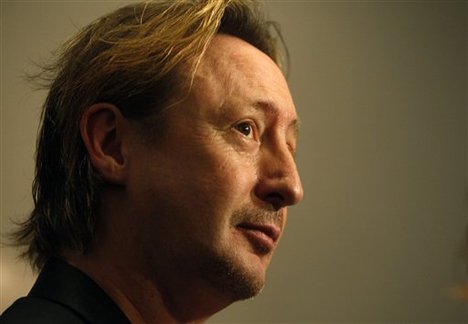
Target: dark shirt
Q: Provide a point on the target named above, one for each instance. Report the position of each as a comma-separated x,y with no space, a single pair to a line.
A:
64,294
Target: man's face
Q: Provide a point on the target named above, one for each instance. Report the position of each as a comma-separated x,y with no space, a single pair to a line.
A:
210,198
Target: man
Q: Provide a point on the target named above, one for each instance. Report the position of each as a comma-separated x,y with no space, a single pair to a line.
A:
165,164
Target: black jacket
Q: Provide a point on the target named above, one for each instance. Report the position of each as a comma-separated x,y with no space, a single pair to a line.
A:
64,294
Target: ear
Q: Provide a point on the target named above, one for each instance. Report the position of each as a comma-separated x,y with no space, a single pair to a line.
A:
102,129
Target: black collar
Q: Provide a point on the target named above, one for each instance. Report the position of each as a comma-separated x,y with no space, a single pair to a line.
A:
64,284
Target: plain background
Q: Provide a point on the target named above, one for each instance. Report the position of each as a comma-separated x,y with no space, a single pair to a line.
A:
381,88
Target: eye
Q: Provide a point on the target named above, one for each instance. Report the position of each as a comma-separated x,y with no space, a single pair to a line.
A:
292,150
245,128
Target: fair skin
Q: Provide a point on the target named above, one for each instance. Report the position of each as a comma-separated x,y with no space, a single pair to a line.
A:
189,224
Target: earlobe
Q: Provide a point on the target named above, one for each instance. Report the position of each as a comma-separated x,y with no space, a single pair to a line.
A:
102,129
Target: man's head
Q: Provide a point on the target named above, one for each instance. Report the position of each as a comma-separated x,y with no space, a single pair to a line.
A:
170,126
209,199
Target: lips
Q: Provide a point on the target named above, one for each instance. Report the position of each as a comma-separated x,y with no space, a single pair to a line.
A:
263,237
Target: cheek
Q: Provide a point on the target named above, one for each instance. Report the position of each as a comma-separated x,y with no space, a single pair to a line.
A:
231,174
202,174
215,186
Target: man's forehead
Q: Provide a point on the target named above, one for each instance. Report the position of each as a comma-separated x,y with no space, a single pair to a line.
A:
235,75
229,58
230,51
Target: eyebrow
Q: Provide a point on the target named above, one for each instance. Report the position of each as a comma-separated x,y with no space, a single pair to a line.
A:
271,108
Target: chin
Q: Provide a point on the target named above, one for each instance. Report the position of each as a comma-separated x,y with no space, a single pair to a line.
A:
234,275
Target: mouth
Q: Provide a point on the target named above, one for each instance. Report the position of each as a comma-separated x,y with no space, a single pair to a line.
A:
263,237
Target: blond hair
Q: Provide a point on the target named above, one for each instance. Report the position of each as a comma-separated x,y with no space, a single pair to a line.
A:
132,58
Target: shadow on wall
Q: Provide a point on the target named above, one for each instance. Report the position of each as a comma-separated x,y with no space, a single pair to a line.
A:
461,290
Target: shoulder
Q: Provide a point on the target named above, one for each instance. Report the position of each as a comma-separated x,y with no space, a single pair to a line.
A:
64,294
39,310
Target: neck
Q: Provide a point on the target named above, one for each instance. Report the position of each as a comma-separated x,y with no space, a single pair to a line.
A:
140,302
145,297
141,278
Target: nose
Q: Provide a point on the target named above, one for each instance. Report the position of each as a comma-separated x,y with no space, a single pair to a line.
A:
279,182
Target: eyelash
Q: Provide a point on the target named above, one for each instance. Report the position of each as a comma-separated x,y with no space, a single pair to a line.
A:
292,150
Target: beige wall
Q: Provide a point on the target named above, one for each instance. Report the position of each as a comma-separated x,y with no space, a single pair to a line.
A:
382,91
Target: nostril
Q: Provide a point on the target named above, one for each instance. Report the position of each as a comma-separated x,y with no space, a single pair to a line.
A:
276,200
